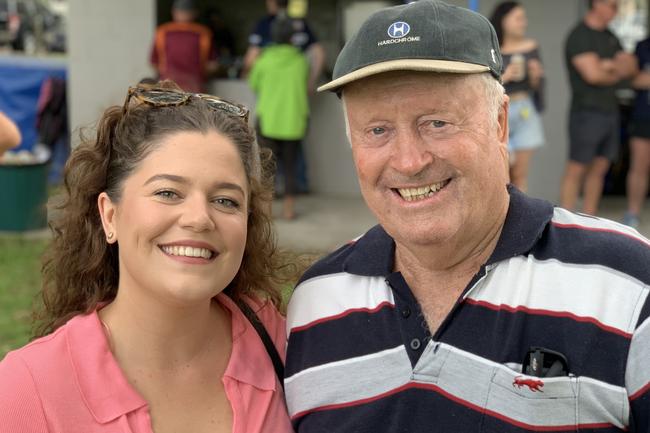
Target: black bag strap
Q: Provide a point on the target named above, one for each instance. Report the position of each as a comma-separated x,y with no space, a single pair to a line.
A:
264,336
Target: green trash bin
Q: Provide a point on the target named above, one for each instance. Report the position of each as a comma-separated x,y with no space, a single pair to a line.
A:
23,196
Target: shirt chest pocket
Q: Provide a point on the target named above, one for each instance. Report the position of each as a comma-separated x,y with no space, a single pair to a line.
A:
515,401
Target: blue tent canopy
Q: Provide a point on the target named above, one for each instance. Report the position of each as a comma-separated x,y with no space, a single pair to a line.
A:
20,85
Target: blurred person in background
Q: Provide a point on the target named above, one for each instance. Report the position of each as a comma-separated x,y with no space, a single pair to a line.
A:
183,50
9,134
303,38
597,64
523,80
223,42
163,258
638,174
279,80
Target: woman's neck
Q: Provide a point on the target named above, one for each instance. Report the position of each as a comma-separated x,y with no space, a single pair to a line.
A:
158,336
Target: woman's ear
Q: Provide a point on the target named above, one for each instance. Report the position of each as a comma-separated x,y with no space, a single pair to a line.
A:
107,211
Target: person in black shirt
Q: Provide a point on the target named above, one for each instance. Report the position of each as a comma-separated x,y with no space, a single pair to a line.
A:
597,64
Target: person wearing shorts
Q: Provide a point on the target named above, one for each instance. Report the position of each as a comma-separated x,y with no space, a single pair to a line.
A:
523,79
639,172
597,64
593,134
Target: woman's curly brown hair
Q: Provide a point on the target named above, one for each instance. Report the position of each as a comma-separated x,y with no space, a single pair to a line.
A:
80,268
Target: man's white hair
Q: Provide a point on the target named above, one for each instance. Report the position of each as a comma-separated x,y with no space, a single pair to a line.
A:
493,92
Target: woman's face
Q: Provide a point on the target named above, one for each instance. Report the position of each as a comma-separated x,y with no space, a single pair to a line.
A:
181,222
515,22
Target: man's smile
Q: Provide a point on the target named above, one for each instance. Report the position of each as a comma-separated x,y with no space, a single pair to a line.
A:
421,192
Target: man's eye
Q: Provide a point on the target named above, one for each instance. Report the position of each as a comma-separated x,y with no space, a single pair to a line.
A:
438,123
227,203
378,130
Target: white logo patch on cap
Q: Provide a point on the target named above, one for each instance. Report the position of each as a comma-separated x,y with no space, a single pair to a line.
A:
398,29
397,32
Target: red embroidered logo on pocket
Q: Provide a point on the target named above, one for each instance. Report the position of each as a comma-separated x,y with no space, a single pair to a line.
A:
532,384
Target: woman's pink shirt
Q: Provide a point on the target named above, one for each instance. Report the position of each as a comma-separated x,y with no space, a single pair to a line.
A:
70,382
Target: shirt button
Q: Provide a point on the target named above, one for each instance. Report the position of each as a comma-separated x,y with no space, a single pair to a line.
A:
415,344
406,312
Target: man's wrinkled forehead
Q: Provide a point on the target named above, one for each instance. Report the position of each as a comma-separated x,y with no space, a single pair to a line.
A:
387,81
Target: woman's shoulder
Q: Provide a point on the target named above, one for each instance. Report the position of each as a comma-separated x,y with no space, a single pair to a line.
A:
33,372
266,311
40,351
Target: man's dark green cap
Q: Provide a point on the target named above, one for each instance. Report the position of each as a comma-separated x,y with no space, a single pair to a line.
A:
426,35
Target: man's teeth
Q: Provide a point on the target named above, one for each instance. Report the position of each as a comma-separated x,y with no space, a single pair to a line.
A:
187,251
413,194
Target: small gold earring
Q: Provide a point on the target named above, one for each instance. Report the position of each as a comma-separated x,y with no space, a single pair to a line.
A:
109,236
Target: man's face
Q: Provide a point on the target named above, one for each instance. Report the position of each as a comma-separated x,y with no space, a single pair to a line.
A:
432,164
607,9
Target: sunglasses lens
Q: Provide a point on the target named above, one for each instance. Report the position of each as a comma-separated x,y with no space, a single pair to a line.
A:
163,97
233,109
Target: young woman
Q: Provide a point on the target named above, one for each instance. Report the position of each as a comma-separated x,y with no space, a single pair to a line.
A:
164,212
523,79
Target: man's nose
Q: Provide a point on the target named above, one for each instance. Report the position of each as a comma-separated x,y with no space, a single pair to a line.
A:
410,153
197,214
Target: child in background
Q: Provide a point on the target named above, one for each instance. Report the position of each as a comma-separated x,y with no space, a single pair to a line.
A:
279,79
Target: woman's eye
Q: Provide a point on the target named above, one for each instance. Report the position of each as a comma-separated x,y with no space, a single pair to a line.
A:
166,194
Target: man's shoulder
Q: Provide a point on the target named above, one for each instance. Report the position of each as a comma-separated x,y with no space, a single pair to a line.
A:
332,263
364,255
586,240
174,27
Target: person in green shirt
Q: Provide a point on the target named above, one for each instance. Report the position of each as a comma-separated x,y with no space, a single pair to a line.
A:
279,79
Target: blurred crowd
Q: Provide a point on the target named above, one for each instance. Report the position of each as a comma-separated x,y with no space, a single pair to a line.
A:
284,61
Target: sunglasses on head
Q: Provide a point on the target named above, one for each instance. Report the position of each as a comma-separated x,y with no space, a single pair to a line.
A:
158,97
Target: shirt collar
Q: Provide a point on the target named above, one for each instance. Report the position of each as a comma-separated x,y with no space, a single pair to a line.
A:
249,361
374,253
102,383
109,395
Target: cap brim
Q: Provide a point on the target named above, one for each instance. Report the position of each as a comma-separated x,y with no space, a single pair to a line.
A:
405,65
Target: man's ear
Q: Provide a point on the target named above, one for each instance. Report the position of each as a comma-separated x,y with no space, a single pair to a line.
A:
503,132
502,122
107,210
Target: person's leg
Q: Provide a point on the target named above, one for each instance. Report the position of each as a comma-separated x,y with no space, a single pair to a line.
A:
526,135
519,169
606,152
289,155
570,189
638,175
594,181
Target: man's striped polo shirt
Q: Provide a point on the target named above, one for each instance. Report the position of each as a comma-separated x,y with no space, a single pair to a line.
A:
361,359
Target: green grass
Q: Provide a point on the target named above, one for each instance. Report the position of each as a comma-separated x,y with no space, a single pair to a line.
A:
20,280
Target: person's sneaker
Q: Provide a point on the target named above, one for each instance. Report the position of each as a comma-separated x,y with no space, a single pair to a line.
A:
631,220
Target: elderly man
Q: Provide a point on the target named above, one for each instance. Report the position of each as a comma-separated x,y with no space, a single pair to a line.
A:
470,307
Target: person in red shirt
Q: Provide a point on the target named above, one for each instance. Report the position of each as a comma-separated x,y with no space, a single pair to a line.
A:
183,51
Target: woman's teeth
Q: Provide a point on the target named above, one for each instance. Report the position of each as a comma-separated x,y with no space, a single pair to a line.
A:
187,251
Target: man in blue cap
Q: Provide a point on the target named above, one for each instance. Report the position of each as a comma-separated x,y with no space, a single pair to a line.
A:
470,307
